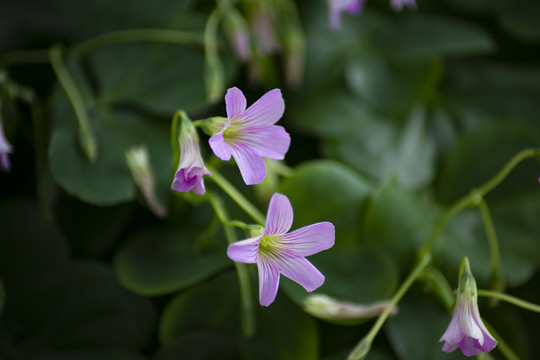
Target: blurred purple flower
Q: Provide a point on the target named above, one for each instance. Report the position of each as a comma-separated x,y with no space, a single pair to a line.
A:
397,5
277,252
5,149
249,135
466,329
353,7
191,169
263,30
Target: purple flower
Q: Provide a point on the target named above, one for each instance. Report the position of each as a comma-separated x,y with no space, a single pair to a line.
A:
353,7
5,149
249,135
397,5
466,329
191,169
277,252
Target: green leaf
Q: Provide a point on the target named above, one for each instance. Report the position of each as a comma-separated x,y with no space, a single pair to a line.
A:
393,87
283,331
400,221
108,180
97,237
491,146
345,192
199,345
85,309
358,274
32,252
383,149
160,78
415,332
516,222
159,261
505,91
417,35
520,18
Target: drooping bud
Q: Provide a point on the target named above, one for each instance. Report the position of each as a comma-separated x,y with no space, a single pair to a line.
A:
191,169
466,329
139,166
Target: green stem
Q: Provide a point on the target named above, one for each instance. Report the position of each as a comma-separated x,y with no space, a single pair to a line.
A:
214,74
359,351
238,198
472,197
362,349
437,281
247,306
87,138
138,35
497,278
510,299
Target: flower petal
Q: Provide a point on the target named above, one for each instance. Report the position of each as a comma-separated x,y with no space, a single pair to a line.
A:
310,239
298,269
235,103
219,147
268,141
453,334
244,251
265,111
279,217
251,164
268,281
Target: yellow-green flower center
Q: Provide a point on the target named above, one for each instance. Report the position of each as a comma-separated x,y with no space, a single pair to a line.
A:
232,133
269,243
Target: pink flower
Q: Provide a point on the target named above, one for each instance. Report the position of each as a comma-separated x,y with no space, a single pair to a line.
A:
466,329
353,7
5,149
249,135
277,252
191,169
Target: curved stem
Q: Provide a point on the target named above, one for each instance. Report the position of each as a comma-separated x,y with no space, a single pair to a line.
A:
238,198
138,35
472,197
87,138
359,352
214,74
496,270
362,349
509,299
248,317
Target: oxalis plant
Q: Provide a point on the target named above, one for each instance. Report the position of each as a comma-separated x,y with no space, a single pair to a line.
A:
364,169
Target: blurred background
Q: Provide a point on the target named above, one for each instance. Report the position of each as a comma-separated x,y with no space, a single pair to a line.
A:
393,117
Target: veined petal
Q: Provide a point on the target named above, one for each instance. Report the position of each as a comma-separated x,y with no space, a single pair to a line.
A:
268,281
265,111
251,164
310,239
268,141
298,269
466,323
453,334
244,251
235,102
280,215
219,147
